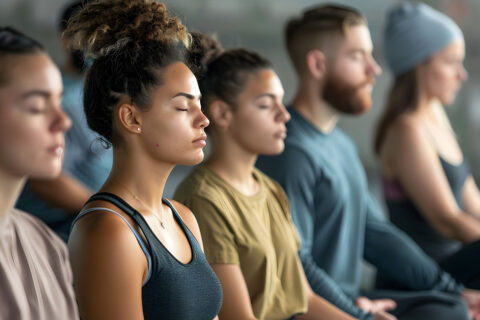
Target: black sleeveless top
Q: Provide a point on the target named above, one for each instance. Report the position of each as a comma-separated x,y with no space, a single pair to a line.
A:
173,290
405,215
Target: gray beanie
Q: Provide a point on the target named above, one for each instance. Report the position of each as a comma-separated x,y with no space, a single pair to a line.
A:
414,32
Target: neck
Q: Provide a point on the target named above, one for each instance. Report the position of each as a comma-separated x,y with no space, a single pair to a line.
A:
424,106
10,188
138,176
233,163
308,103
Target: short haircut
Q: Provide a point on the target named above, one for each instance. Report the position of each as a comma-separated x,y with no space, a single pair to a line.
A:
314,27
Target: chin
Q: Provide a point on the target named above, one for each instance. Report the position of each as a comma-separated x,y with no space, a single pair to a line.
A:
446,101
192,161
273,150
46,174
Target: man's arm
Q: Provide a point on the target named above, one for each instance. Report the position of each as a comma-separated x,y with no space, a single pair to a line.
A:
323,285
64,192
296,174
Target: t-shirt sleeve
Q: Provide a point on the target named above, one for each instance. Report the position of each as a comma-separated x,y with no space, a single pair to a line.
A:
284,204
217,231
295,172
396,255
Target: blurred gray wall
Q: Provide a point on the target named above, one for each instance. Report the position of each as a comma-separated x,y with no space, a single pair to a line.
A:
258,25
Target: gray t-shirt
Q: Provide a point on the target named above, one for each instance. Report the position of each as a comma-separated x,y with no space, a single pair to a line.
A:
35,275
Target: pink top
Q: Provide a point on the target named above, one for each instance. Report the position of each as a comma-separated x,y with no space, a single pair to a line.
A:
393,190
35,275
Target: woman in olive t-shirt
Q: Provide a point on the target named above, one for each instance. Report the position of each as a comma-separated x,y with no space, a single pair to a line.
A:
244,217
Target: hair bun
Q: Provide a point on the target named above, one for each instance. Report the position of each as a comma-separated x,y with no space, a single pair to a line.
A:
105,27
204,48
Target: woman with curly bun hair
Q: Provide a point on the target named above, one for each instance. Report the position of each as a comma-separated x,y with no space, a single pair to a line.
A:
136,255
250,239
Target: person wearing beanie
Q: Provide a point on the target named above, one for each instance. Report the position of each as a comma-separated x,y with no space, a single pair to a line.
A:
320,170
86,164
429,189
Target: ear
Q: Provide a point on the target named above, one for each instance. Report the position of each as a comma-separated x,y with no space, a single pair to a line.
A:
128,117
316,63
221,114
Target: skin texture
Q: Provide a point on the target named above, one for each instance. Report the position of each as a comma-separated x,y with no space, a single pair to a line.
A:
65,192
346,74
32,124
108,264
416,141
255,125
348,86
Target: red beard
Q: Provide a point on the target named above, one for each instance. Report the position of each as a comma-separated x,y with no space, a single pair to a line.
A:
347,98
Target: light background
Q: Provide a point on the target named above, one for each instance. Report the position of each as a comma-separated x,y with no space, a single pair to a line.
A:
258,25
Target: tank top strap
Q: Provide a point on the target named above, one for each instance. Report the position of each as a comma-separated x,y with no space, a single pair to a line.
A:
128,209
135,233
194,244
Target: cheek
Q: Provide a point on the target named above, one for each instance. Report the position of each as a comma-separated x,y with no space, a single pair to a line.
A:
257,134
25,150
172,142
443,84
22,133
352,73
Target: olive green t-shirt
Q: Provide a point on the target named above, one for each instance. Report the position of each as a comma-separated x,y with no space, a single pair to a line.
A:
254,232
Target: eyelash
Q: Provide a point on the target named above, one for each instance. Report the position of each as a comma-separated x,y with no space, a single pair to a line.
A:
37,111
182,109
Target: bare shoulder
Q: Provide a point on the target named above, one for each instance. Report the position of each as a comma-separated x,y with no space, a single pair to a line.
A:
185,213
188,218
404,126
405,132
103,235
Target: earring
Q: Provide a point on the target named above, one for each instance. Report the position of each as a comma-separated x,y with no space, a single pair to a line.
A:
138,129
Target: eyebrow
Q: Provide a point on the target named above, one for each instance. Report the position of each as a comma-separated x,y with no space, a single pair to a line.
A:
41,93
186,95
270,95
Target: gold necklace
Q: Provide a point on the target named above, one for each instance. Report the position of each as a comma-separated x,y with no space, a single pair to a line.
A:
160,219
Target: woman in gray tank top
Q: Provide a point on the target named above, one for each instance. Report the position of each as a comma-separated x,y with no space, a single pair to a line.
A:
136,255
429,190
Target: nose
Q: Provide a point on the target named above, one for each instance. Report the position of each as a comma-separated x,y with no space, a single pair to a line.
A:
283,115
462,73
61,121
374,68
202,120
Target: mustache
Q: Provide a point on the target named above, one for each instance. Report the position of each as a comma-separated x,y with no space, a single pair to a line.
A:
369,81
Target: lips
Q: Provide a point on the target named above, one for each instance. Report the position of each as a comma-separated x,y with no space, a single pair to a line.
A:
57,150
202,140
281,135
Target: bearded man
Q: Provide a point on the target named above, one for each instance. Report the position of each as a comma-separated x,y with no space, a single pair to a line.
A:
338,222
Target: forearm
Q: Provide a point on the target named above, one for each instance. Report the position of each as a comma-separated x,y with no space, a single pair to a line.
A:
320,309
460,226
63,192
399,257
327,288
